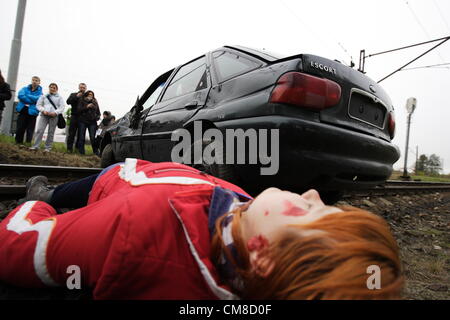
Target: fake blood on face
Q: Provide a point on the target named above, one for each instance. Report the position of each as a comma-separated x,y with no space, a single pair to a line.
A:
257,243
293,211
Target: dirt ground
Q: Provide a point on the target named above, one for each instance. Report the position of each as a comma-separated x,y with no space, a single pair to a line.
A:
19,154
421,226
420,223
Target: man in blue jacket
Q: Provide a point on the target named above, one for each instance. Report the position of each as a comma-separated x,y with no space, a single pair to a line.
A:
26,122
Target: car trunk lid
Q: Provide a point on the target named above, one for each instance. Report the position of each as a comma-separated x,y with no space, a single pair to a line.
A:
364,105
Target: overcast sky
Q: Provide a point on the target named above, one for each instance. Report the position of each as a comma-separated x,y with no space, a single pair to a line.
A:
119,47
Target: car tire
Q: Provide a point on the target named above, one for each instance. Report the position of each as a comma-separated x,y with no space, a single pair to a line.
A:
222,171
107,158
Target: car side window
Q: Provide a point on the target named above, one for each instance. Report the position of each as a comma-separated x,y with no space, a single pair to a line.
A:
152,99
189,78
229,64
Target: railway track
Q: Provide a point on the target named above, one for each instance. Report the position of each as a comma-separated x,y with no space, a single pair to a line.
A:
11,192
394,188
24,172
27,171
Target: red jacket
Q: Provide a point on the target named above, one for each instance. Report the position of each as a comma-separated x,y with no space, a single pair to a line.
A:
143,235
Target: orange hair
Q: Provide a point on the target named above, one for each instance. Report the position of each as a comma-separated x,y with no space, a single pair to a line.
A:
331,264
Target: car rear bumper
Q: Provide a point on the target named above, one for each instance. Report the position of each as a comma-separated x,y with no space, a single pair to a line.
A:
318,155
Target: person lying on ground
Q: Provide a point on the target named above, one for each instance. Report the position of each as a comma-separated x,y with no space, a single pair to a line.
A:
147,230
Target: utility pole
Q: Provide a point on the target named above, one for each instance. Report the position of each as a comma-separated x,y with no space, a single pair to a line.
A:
13,67
417,159
411,104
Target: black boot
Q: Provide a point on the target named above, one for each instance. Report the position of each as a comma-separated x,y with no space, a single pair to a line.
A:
37,189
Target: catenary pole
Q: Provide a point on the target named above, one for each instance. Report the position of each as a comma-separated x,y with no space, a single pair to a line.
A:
405,170
411,105
13,67
417,159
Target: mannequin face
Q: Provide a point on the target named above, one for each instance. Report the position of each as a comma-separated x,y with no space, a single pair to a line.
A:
274,209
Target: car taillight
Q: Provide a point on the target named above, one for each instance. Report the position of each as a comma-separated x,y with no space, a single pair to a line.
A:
391,124
306,91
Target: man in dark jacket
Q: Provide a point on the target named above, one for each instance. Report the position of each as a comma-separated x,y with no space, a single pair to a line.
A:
73,100
5,94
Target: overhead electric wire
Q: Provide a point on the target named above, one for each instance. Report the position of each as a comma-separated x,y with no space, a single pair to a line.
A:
417,19
440,65
440,13
345,50
399,69
421,25
406,47
313,32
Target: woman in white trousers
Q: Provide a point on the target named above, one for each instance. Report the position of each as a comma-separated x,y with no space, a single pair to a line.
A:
48,116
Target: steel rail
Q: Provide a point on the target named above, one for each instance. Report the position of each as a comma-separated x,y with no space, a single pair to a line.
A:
31,170
396,190
27,171
413,183
11,192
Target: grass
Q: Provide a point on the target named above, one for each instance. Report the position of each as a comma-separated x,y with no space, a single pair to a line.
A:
396,175
432,232
13,153
431,178
57,146
6,139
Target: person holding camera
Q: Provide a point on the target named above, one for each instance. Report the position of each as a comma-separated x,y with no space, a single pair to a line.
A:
73,101
49,106
89,114
104,125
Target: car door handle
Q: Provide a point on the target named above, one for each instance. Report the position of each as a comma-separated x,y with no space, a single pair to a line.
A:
191,105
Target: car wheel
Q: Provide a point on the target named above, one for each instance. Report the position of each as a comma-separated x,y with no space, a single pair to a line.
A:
107,156
222,171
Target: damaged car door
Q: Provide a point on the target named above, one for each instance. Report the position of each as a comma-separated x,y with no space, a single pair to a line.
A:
183,96
128,135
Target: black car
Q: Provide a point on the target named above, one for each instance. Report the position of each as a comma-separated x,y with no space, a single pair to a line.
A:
335,123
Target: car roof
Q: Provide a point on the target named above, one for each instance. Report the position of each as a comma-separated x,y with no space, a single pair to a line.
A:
261,53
